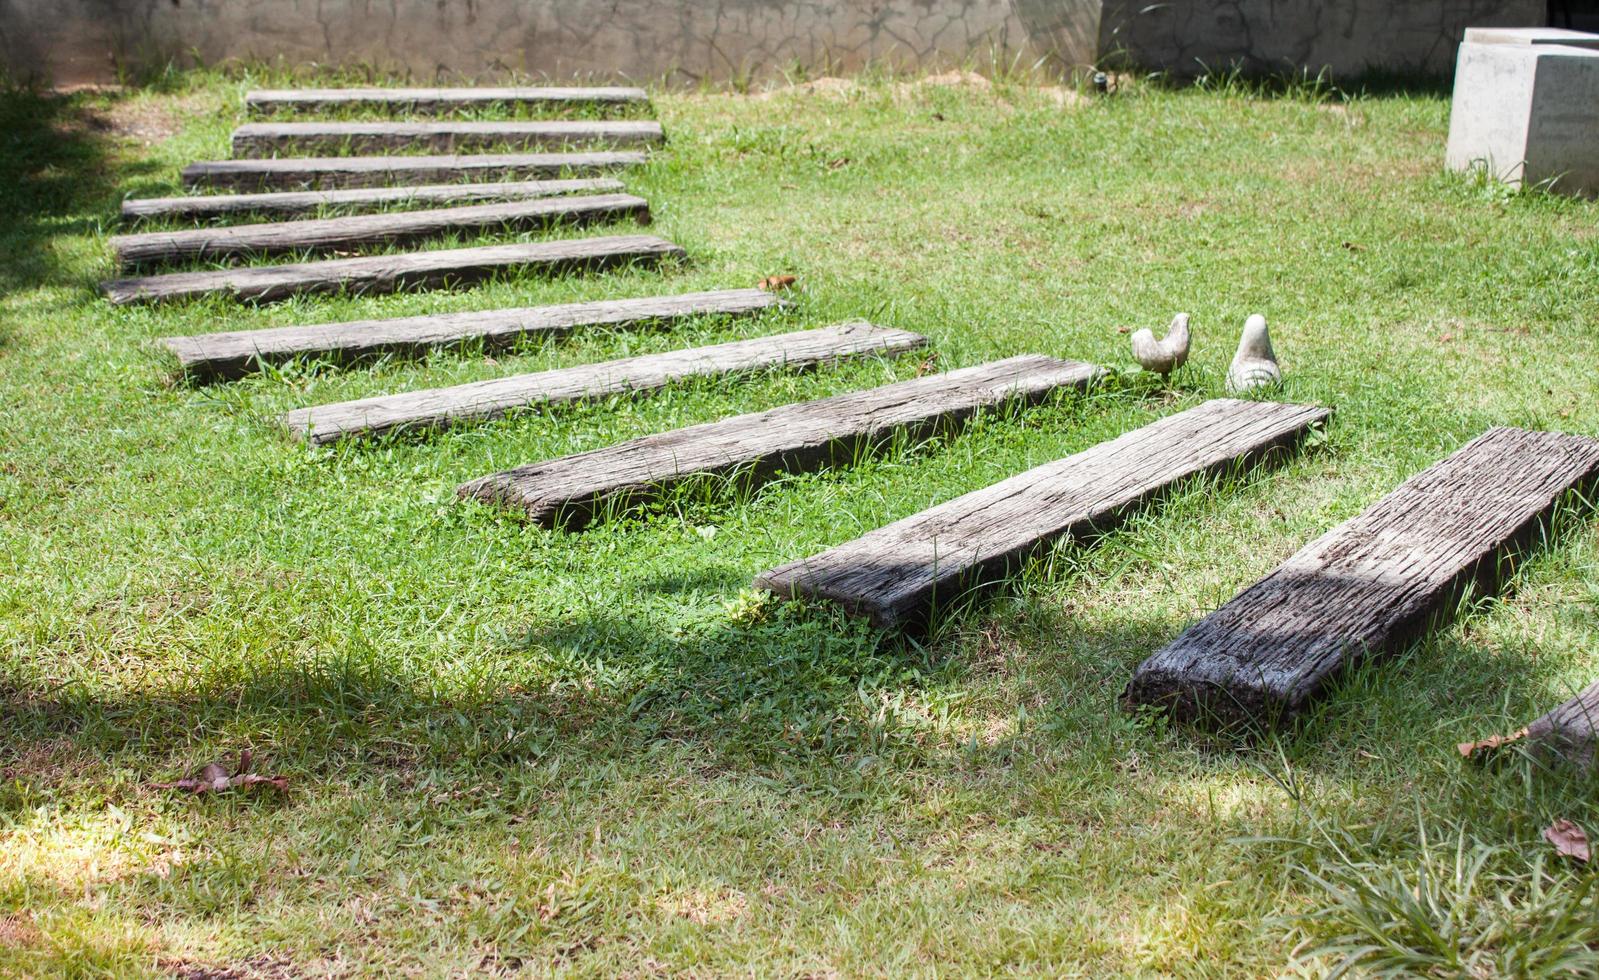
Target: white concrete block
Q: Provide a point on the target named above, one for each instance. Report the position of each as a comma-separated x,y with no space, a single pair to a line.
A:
1526,106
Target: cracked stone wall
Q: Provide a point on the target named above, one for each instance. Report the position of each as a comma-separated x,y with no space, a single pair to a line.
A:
69,41
1346,37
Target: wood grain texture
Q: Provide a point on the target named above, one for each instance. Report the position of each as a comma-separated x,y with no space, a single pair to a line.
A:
802,436
899,574
1569,732
220,356
257,140
200,207
1369,586
331,173
434,100
438,407
331,234
389,273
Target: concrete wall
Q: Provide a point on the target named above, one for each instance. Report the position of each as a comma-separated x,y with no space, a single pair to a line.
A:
84,40
69,41
1346,37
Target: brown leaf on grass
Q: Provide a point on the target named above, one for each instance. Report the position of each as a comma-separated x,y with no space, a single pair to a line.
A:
774,283
928,365
1569,840
1479,750
214,778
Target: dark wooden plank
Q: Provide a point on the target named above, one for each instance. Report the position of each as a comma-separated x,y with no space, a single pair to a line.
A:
255,140
433,100
1569,733
802,436
199,207
332,234
1369,586
328,173
220,356
439,407
898,574
388,273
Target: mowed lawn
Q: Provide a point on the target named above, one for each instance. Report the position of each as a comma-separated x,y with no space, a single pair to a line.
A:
512,750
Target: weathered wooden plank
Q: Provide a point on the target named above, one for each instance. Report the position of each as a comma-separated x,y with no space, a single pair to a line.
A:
437,407
328,173
802,436
254,140
1370,585
389,273
432,100
900,573
219,356
1569,733
204,206
331,234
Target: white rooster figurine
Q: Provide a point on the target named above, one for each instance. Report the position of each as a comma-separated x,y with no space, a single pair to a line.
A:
1163,356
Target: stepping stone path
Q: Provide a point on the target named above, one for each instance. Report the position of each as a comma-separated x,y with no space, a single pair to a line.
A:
221,356
356,199
1371,585
569,490
327,173
331,234
257,140
389,273
438,407
897,574
429,100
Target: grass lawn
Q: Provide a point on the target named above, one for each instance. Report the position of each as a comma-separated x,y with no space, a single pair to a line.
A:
520,751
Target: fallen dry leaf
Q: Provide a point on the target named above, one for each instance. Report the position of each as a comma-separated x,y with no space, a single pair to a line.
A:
1471,750
214,778
774,283
1569,840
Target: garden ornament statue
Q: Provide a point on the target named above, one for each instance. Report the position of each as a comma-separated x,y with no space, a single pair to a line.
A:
1254,366
1163,356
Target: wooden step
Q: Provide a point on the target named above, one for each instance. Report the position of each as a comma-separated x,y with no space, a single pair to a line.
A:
438,407
365,230
1568,733
256,140
388,273
1371,585
199,207
220,356
328,173
433,100
804,436
901,573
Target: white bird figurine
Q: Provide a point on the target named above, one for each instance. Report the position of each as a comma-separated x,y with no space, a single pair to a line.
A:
1254,366
1163,356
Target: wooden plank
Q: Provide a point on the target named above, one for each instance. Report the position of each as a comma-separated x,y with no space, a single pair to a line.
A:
331,234
438,407
1371,585
433,100
255,140
900,573
388,273
205,206
219,356
803,436
1569,733
328,173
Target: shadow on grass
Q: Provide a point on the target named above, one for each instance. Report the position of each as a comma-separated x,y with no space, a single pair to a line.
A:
59,172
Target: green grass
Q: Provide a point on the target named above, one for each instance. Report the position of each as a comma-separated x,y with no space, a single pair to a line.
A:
601,753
